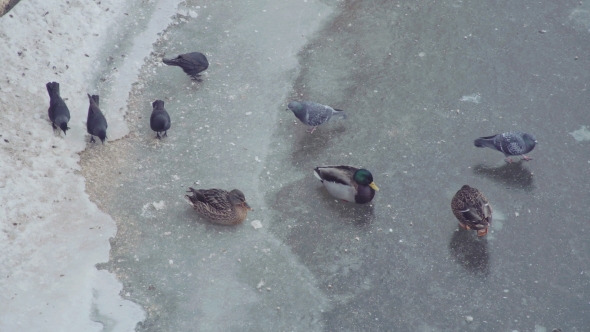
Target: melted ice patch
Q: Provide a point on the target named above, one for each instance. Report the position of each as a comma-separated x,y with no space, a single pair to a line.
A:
582,134
474,98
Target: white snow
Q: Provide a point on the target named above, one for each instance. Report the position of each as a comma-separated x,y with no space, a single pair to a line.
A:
582,134
52,234
474,98
256,224
159,205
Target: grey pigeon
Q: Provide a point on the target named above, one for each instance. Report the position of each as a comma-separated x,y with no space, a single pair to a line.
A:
59,114
96,124
160,119
192,63
314,114
511,144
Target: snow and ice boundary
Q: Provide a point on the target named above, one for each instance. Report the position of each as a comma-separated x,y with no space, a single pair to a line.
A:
52,234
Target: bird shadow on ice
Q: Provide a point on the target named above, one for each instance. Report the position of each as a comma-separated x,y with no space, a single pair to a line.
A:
312,146
470,251
360,215
514,175
192,219
314,203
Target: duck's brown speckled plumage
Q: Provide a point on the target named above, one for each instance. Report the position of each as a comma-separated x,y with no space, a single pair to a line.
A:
472,209
219,206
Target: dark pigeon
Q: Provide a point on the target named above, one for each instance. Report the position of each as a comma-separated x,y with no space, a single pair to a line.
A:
96,124
192,63
314,114
160,119
59,114
511,144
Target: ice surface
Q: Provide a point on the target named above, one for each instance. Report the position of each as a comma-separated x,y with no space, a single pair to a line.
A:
317,264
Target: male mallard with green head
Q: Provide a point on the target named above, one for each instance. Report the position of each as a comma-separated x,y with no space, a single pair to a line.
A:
347,183
219,206
472,209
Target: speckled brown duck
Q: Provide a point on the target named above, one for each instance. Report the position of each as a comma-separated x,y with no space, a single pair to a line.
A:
472,209
219,206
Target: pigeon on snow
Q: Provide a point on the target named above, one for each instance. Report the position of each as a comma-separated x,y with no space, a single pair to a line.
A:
96,124
314,114
511,144
59,114
160,119
192,63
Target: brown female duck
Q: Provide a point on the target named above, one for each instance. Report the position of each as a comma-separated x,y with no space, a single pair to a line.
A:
219,206
472,209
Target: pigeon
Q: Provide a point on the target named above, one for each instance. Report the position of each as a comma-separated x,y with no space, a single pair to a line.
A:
472,209
511,144
160,119
59,114
314,114
192,63
96,124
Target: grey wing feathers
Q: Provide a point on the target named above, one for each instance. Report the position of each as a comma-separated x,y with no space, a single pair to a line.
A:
317,113
511,143
337,174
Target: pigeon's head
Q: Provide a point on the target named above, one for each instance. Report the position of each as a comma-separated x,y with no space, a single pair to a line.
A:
158,104
296,107
102,134
365,178
64,127
237,198
529,140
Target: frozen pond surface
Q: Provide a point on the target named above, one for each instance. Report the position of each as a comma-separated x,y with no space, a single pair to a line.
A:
419,81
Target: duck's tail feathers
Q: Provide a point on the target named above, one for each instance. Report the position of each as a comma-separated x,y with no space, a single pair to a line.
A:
316,173
340,113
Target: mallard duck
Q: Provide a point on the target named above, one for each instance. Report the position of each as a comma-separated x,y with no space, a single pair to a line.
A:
472,209
347,183
219,206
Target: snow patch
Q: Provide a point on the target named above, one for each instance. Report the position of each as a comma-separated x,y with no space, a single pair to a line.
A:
159,205
582,134
256,224
474,98
52,235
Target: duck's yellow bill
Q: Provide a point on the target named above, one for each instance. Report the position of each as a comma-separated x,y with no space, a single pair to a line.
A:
374,186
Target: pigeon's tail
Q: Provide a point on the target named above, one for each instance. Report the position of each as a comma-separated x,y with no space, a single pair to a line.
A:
52,88
483,142
93,98
339,113
171,62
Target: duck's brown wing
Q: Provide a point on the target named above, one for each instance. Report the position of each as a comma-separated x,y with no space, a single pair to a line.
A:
469,205
216,198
